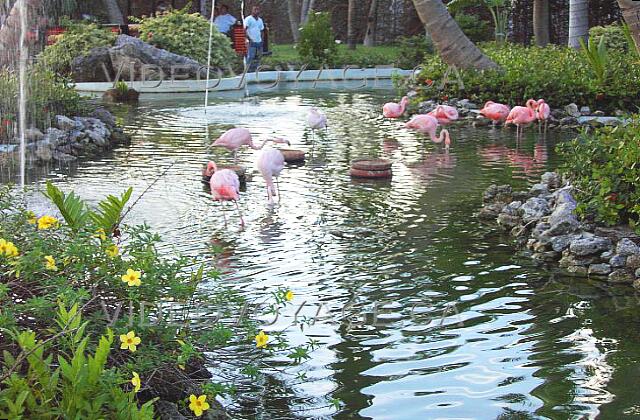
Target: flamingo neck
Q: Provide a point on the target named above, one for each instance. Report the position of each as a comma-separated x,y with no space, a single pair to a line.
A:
254,147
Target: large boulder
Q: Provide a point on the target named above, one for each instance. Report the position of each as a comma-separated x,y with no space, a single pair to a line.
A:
589,246
138,60
94,67
534,209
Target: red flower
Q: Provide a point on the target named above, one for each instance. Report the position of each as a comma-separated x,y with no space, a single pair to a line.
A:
6,123
613,197
428,82
445,98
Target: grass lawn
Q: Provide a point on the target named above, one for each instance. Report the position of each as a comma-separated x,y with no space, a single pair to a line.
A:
284,54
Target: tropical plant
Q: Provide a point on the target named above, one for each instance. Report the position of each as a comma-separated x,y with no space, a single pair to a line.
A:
452,44
615,38
187,34
597,57
603,168
631,13
499,10
317,43
476,29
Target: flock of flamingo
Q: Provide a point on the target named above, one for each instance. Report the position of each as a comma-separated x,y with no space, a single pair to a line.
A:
225,183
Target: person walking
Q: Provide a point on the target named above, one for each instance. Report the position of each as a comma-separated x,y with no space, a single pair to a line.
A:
254,27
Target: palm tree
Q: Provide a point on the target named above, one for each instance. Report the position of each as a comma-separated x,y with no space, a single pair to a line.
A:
113,12
631,13
292,8
351,31
370,35
452,44
541,22
578,22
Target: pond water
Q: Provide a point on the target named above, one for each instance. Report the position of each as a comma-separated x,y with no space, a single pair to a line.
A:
464,328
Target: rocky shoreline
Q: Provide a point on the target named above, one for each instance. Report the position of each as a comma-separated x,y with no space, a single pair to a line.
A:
544,224
69,139
569,117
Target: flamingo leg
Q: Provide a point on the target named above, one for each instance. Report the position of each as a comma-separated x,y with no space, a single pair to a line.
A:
278,189
235,157
224,216
239,213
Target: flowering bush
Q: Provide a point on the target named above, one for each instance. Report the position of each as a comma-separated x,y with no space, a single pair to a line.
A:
95,324
187,34
603,167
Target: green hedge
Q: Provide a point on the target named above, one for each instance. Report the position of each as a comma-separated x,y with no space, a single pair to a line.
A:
558,74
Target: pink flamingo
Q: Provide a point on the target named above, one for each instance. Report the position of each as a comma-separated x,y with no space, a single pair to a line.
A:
543,113
395,110
522,116
495,112
427,124
316,120
270,164
445,114
237,137
225,186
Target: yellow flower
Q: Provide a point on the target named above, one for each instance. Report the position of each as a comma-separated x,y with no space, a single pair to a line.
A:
46,222
261,340
112,251
135,381
132,278
129,341
8,249
198,404
100,233
289,296
31,218
50,263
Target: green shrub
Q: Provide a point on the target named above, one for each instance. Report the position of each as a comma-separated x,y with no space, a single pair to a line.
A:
78,40
187,34
558,74
413,50
317,44
476,29
603,167
614,37
68,287
47,96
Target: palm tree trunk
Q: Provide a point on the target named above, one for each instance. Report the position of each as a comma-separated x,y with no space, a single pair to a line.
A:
292,8
541,22
578,22
372,22
452,44
631,13
113,12
351,32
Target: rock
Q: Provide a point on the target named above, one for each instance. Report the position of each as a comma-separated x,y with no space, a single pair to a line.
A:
480,123
63,157
105,116
507,221
572,110
577,270
636,284
136,57
572,260
95,66
118,136
539,189
618,261
534,209
637,272
585,110
65,123
55,136
168,411
589,246
97,138
498,193
44,154
619,113
512,208
560,243
627,247
599,269
564,196
617,233
606,255
621,276
33,134
568,121
465,103
551,180
633,262
115,95
599,113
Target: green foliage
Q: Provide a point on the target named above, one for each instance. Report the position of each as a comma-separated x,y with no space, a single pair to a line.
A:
614,37
187,34
47,96
499,10
78,40
603,167
560,75
64,293
597,57
286,56
413,50
122,88
317,44
476,29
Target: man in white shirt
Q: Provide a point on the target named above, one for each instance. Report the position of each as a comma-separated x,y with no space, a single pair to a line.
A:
224,21
254,26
